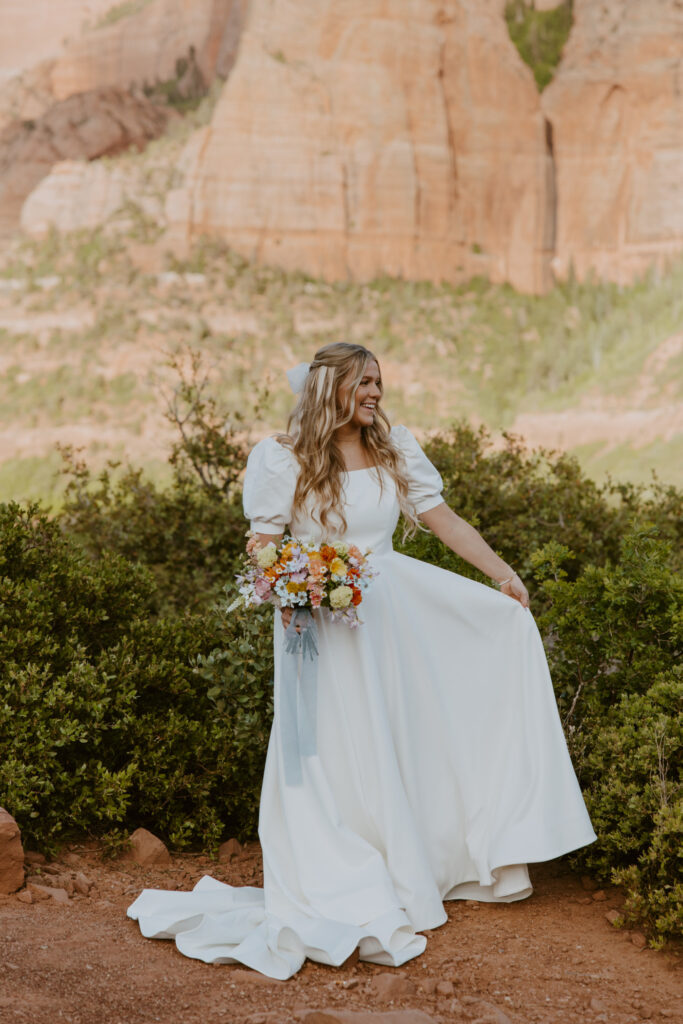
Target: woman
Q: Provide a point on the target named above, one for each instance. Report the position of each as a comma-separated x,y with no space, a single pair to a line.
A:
436,766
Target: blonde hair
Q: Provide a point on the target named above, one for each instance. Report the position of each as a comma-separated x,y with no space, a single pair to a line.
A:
319,412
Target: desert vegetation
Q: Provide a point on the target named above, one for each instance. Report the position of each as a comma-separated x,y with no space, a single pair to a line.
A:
89,321
129,696
539,35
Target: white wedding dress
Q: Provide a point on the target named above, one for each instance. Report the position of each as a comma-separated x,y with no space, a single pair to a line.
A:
440,766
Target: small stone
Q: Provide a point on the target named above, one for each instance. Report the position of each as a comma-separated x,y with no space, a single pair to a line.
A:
33,857
351,983
614,917
24,896
229,849
600,896
11,854
40,880
638,940
445,988
146,849
644,1011
588,883
72,860
391,986
666,1013
428,986
82,884
51,869
492,1014
38,892
59,895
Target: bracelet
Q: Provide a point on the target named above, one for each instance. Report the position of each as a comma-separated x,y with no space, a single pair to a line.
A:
508,580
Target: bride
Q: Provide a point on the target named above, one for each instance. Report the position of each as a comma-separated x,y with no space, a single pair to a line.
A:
438,767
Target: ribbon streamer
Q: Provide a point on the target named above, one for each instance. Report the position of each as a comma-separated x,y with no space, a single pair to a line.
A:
298,694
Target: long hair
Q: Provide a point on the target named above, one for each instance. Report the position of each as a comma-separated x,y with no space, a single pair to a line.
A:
319,412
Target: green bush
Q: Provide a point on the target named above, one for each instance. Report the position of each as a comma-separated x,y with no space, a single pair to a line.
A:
521,500
127,697
106,719
614,638
539,35
631,770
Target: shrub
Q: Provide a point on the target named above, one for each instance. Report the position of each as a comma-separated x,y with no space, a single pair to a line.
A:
522,500
614,638
539,36
106,720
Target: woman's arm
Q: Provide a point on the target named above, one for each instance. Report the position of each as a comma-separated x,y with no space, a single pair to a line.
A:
459,536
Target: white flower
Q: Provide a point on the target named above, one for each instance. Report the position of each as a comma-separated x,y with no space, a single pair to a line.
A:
266,556
340,597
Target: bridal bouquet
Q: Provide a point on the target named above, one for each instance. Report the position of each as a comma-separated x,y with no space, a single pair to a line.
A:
302,575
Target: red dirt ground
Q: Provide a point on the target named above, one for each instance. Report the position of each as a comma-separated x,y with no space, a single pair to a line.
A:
553,958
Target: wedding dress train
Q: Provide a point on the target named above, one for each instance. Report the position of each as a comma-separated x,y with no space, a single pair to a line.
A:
439,767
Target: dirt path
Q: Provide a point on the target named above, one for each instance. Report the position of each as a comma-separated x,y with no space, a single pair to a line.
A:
551,958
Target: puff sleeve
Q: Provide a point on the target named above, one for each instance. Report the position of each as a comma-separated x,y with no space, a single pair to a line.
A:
424,480
268,488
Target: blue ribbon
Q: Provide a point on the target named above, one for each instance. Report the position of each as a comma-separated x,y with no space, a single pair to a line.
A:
298,694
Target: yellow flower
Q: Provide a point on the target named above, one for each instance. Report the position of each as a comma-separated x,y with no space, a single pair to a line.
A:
337,567
295,588
266,556
340,597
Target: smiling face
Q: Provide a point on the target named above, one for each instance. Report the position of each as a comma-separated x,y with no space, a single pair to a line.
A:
368,394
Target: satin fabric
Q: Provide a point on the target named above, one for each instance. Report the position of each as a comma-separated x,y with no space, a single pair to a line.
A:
441,767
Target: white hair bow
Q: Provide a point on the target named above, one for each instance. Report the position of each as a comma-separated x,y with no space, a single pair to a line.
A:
297,377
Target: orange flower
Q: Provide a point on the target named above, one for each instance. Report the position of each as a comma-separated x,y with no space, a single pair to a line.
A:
357,596
328,552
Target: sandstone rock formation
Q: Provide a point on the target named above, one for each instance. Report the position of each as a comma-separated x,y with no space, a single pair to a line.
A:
34,31
88,125
141,46
377,137
11,854
145,46
616,108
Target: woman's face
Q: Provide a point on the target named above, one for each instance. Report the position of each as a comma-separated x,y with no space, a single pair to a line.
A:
368,394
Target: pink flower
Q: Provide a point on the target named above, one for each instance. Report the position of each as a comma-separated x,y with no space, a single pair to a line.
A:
262,588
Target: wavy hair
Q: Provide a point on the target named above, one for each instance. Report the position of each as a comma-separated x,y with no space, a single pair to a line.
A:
319,412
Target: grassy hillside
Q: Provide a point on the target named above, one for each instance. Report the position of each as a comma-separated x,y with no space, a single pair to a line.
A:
85,335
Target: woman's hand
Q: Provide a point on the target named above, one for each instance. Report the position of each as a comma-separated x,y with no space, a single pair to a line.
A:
286,614
515,588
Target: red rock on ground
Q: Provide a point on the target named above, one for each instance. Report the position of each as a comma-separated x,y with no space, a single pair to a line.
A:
392,986
146,849
11,854
229,849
